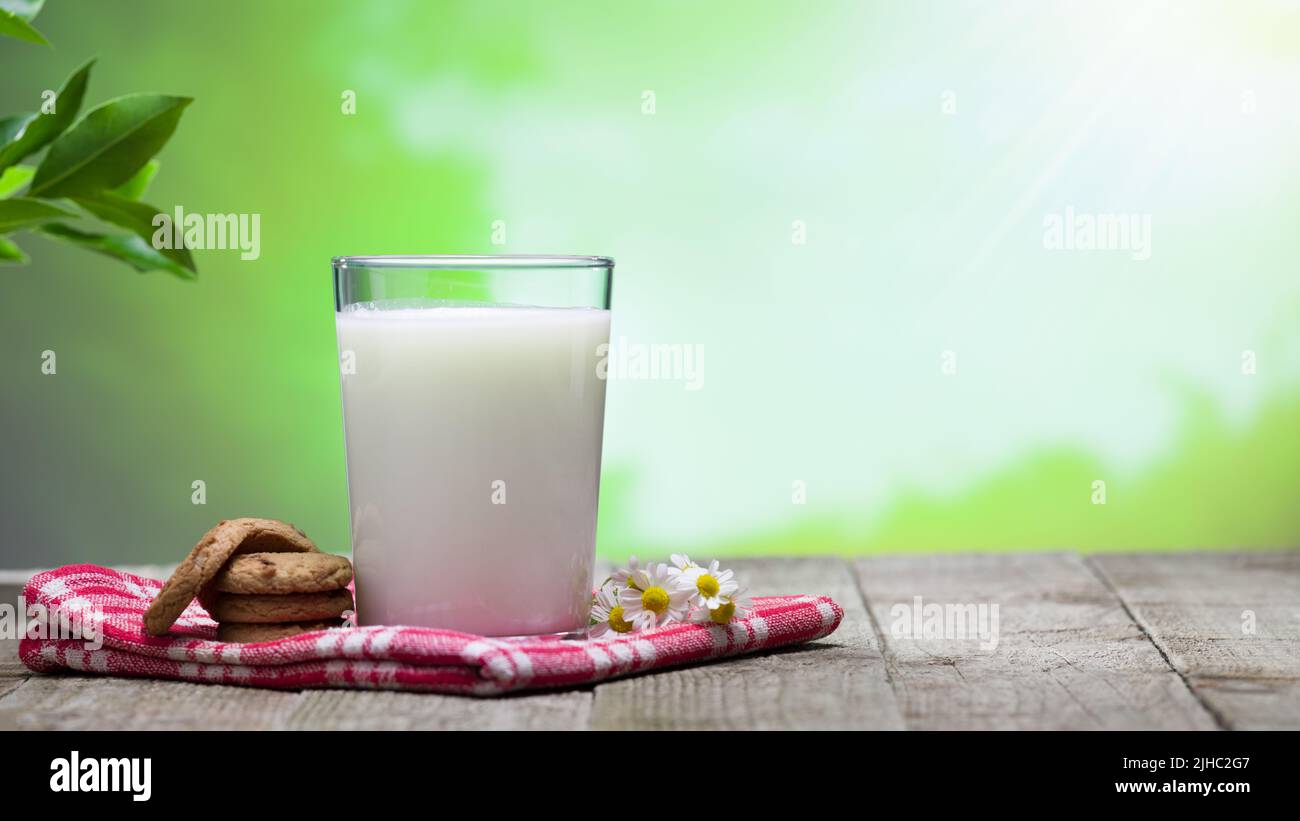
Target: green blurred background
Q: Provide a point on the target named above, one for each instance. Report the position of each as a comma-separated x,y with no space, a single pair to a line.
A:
919,144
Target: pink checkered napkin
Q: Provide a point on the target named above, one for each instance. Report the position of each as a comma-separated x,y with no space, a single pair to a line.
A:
391,658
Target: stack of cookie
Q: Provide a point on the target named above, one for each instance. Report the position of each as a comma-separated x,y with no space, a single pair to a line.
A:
265,596
261,579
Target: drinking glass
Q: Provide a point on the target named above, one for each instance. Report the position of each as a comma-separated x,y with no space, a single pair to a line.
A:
473,412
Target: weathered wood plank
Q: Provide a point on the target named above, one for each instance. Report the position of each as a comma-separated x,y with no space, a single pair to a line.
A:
68,702
377,710
11,591
1229,622
1067,654
836,683
1251,704
8,685
10,666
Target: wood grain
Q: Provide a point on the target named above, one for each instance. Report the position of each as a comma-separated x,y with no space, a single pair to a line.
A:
1114,641
352,710
11,589
70,702
836,683
10,666
8,685
1068,656
1228,622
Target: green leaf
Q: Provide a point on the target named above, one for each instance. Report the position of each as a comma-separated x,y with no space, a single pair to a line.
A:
13,125
11,25
11,254
128,248
26,9
134,188
41,129
109,145
134,216
19,212
15,177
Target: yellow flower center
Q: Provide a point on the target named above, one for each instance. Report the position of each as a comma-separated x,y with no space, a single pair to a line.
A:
707,585
616,622
655,599
723,612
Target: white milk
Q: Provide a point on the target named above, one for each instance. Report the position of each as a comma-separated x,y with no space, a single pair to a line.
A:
473,445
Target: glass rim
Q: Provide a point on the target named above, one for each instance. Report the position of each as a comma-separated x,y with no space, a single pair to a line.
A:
469,261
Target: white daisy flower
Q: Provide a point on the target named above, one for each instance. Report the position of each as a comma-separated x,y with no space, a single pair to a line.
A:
607,614
682,563
654,597
709,585
738,605
622,577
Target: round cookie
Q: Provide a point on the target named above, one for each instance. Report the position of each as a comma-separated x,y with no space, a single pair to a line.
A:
258,609
210,554
246,633
279,573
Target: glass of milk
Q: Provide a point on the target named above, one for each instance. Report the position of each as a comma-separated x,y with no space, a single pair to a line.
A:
473,414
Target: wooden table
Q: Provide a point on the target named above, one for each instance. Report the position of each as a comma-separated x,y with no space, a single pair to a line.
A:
1111,641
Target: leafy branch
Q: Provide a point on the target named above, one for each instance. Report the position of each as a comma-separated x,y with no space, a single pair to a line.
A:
16,20
96,167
